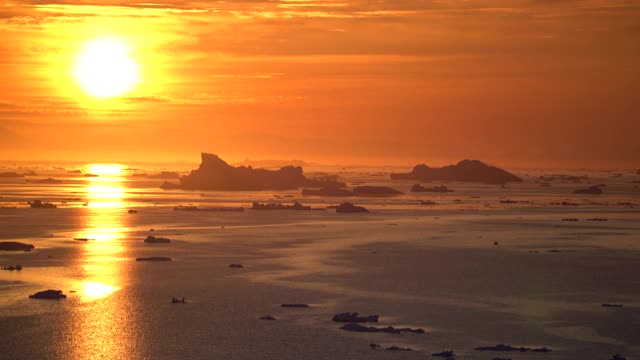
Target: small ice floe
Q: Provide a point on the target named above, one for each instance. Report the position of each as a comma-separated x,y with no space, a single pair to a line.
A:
448,354
388,329
154,258
12,268
397,348
38,204
49,295
354,318
295,305
156,240
612,305
348,207
503,347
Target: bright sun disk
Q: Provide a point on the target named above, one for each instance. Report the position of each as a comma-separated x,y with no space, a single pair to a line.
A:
104,68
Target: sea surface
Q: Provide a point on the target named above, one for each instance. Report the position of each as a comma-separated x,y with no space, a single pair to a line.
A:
486,265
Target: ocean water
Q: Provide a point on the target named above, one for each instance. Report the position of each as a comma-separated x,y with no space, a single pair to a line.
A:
434,267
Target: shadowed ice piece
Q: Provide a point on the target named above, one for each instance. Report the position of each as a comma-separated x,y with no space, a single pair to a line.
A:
354,318
295,305
465,170
396,348
612,305
15,246
12,268
449,355
503,347
49,295
348,207
154,258
388,329
37,204
156,240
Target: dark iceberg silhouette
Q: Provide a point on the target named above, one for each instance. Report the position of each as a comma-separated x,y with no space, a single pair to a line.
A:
215,174
465,170
15,246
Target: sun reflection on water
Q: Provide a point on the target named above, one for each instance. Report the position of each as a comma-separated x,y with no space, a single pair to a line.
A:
105,190
105,272
95,290
105,228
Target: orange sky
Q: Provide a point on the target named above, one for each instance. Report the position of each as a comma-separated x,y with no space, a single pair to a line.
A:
511,82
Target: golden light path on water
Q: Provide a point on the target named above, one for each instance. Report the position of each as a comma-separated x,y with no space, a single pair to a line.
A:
105,320
104,229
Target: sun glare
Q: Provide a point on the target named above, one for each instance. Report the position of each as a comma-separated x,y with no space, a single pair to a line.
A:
104,68
113,170
94,290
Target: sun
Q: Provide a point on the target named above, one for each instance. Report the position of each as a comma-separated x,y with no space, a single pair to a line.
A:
104,68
